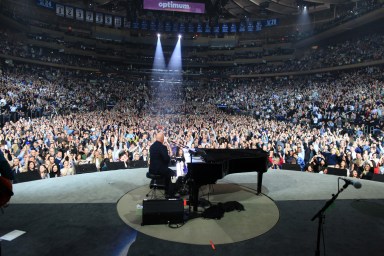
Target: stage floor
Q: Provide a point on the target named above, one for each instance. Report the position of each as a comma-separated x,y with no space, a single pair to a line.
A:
78,215
234,226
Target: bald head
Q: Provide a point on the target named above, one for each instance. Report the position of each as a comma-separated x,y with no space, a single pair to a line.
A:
160,137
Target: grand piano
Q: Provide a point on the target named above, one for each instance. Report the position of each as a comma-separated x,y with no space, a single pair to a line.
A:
217,163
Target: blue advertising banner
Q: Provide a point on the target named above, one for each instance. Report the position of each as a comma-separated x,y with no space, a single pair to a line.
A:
191,28
216,29
182,28
242,27
258,26
46,4
224,28
168,26
153,26
233,28
199,28
144,25
207,28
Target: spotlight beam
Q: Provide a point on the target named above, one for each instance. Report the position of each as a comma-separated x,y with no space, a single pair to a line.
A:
175,63
159,61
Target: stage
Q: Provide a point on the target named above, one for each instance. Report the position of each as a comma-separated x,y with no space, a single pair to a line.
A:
82,215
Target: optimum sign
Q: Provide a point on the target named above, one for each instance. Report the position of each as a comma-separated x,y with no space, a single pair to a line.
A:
174,6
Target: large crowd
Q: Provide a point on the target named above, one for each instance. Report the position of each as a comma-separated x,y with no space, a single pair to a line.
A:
363,49
333,120
84,55
360,50
53,120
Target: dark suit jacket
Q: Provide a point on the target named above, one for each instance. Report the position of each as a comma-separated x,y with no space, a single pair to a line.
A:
308,155
159,158
5,168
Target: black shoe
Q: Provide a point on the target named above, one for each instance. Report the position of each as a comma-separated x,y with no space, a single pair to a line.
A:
175,196
183,191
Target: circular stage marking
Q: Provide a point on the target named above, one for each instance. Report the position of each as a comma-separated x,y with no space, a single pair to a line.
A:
261,214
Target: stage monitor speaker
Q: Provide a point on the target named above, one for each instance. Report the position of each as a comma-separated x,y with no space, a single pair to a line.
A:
111,166
378,177
27,176
163,211
337,171
85,168
291,167
138,164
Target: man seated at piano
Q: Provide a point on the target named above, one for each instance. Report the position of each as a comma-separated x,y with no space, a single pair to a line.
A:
159,160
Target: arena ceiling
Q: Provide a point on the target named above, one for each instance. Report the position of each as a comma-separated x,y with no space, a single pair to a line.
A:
226,8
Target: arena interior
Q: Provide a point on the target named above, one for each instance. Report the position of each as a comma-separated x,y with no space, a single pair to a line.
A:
86,87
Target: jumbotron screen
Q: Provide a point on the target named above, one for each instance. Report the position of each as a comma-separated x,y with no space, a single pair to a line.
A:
174,6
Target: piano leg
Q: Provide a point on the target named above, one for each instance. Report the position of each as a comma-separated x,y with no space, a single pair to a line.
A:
193,195
259,182
195,198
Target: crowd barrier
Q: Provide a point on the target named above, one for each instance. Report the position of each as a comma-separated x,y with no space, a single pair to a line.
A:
82,169
111,166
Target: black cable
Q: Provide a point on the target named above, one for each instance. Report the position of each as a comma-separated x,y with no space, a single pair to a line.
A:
210,190
338,184
174,226
322,234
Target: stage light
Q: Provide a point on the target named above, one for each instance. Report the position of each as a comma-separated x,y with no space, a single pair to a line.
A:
158,34
179,36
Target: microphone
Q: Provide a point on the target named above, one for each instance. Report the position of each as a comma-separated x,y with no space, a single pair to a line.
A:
355,183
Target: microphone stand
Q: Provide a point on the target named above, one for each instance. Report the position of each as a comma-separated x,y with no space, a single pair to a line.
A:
321,216
190,182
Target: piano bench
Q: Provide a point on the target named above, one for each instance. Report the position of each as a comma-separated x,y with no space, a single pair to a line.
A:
157,183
